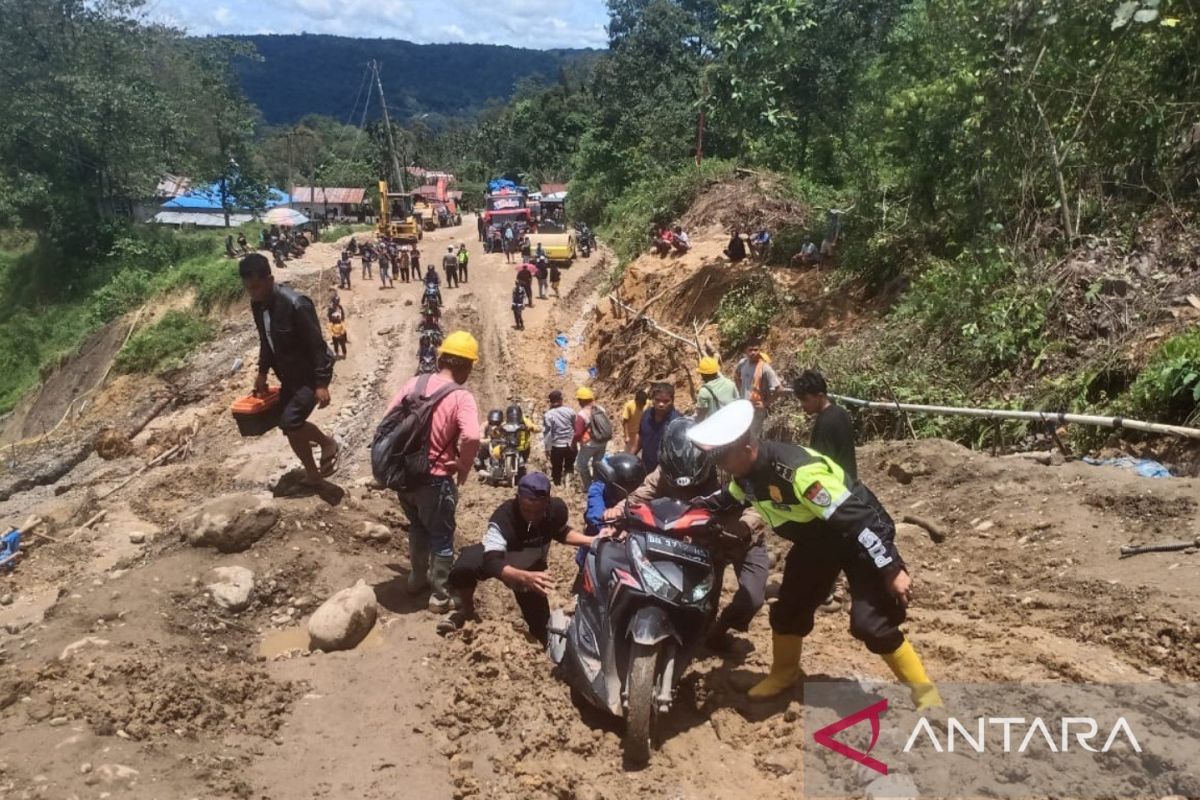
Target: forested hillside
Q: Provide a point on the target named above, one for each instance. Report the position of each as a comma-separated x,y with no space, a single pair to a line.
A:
294,76
1021,177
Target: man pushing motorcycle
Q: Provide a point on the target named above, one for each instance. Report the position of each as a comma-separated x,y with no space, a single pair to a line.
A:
685,472
514,550
835,526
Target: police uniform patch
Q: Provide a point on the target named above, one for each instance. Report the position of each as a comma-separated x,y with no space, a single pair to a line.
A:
818,495
776,494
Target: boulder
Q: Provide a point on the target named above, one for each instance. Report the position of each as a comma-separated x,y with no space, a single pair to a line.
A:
230,523
373,532
231,587
343,620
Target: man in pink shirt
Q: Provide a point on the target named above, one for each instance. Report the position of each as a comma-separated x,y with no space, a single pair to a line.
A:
453,442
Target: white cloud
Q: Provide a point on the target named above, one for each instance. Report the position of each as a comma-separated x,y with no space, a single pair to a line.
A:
523,23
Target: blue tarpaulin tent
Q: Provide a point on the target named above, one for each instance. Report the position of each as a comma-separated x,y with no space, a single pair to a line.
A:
208,198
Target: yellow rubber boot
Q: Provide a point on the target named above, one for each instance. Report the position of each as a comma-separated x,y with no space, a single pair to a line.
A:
785,667
907,667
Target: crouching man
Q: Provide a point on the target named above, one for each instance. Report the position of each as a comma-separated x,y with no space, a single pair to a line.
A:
514,550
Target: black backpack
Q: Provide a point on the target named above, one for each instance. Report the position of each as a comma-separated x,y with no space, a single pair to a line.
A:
601,427
400,450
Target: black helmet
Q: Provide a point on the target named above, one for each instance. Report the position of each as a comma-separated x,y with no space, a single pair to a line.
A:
683,464
514,415
495,416
623,469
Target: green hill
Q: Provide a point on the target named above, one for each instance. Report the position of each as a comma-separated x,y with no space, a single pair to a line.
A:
305,74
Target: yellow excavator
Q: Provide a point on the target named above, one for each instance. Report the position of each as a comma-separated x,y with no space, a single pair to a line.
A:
397,219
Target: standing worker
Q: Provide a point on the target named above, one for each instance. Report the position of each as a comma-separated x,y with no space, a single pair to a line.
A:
558,432
290,343
520,299
716,391
542,271
450,267
756,379
368,255
655,420
464,258
631,419
833,430
525,278
453,442
835,526
593,431
405,261
555,277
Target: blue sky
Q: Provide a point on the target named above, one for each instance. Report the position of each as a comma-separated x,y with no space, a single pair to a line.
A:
523,23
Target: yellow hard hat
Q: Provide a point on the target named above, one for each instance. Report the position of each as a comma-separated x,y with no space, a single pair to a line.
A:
461,344
584,393
709,366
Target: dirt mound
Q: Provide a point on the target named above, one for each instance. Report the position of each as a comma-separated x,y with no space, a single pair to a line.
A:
749,202
160,693
44,409
110,443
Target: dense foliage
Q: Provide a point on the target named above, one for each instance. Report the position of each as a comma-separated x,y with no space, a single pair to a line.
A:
977,142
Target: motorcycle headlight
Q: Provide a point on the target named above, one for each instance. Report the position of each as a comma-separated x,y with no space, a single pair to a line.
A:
654,580
702,589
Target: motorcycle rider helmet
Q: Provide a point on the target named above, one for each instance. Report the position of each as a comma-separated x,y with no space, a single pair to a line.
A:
514,415
682,463
623,469
495,417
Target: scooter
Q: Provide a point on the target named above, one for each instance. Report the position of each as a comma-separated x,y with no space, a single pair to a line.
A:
585,249
643,607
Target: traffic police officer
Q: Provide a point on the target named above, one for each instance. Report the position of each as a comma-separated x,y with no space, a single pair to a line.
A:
835,528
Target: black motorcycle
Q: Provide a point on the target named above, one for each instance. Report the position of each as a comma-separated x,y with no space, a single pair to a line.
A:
643,607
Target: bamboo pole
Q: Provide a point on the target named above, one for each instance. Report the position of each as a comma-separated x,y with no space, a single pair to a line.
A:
1050,417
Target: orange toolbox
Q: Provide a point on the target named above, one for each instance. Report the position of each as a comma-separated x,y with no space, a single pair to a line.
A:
257,414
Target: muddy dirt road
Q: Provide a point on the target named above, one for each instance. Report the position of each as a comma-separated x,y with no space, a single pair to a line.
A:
120,678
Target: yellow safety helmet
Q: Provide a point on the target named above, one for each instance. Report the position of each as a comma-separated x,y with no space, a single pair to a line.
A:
584,393
461,344
709,366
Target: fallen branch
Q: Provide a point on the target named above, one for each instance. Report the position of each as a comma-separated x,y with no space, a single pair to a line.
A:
935,533
162,457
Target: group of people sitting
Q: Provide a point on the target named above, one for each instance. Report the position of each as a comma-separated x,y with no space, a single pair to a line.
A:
666,240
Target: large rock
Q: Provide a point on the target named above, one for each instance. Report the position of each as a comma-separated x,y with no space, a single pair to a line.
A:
230,523
343,620
231,587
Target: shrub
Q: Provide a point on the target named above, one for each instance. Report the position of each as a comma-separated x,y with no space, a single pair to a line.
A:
746,312
125,291
214,278
1169,386
165,344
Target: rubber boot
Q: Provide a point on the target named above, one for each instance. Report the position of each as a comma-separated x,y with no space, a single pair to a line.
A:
418,576
785,667
439,576
907,667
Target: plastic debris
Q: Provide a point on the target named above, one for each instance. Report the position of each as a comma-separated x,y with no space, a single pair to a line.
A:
1144,467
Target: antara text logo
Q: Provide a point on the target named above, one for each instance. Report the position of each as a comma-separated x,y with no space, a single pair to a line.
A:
982,735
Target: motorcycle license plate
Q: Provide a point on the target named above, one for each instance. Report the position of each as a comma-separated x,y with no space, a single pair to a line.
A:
677,548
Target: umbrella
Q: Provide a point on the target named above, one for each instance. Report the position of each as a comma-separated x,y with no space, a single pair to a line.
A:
287,217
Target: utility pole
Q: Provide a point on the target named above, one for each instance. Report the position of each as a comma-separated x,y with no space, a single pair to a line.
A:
387,122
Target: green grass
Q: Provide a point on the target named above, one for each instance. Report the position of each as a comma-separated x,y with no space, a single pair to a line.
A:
166,344
53,302
340,231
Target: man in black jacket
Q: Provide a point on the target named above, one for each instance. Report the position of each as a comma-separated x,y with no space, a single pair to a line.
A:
833,430
291,344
